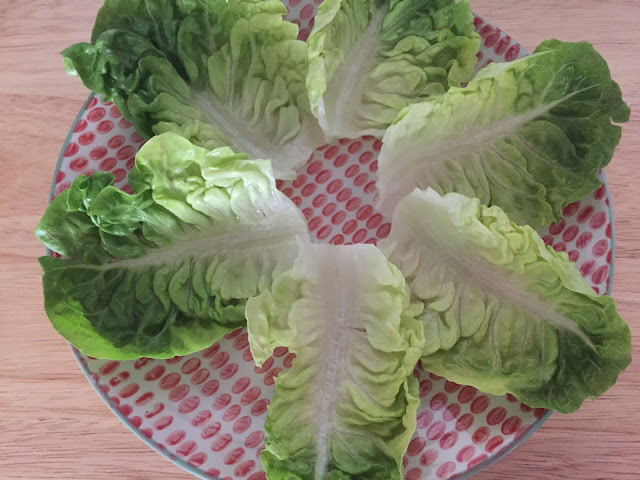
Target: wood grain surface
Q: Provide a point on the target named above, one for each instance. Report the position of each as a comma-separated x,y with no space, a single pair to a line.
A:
52,424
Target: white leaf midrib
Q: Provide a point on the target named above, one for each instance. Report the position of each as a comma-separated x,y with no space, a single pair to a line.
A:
239,134
475,139
351,77
339,276
265,234
408,161
490,278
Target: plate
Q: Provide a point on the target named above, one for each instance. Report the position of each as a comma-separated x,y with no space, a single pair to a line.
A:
206,411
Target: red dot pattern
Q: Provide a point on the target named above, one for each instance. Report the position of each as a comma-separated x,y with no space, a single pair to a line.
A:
302,13
584,233
336,191
208,409
218,422
496,45
96,144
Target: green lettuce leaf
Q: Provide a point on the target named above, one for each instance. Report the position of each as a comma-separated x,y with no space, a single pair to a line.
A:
528,136
218,73
370,59
165,271
347,407
503,312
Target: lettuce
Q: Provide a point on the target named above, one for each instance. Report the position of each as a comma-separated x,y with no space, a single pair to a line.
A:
503,312
528,136
347,407
368,59
218,73
165,271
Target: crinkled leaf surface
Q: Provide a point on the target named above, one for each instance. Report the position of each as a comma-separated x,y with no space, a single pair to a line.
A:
347,407
528,136
165,271
504,312
218,73
369,59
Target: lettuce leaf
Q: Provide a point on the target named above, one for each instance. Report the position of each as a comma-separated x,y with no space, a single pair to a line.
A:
218,73
165,271
368,59
503,312
528,136
347,407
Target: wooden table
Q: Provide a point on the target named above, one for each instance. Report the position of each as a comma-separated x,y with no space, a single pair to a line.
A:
52,424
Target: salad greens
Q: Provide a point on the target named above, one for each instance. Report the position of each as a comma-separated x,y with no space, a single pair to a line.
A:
229,97
203,232
218,73
368,59
529,136
347,407
503,312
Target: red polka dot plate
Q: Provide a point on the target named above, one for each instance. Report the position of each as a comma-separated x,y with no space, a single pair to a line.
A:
206,411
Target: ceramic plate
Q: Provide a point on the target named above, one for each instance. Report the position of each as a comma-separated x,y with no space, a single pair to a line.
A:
206,411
